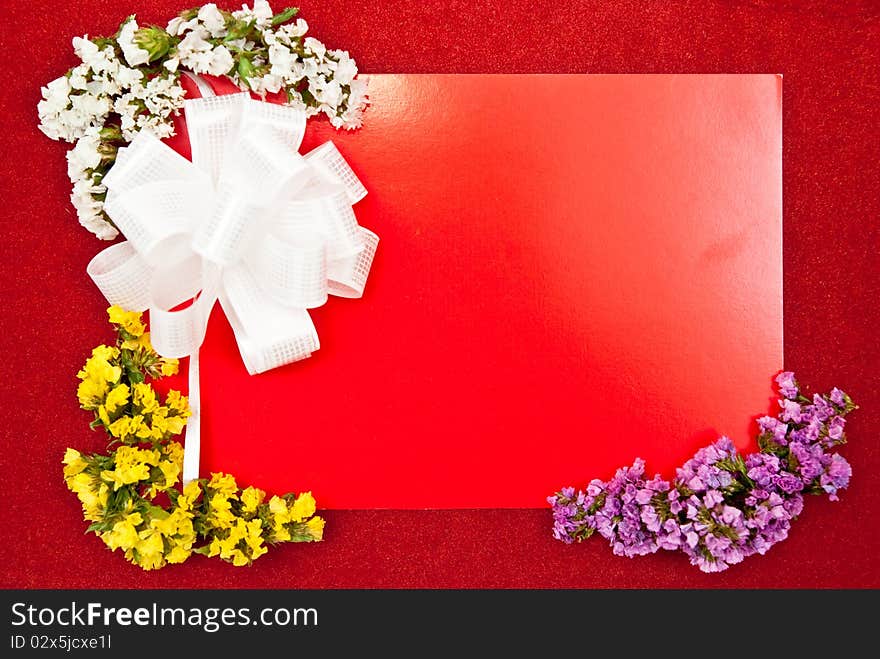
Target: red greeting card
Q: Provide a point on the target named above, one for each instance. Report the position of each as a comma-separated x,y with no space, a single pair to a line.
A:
573,271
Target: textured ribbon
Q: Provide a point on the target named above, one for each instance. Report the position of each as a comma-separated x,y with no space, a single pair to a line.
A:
249,222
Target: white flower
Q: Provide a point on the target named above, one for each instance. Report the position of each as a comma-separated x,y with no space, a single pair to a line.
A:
346,69
328,92
308,68
126,108
172,64
85,49
357,103
177,26
56,96
221,61
194,42
297,29
127,78
134,54
315,47
212,19
261,13
283,61
78,77
89,105
89,210
287,34
268,84
84,155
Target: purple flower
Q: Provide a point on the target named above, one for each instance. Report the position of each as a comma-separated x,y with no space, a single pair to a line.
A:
822,409
809,431
835,428
791,411
788,483
810,461
721,507
837,477
787,384
775,427
762,467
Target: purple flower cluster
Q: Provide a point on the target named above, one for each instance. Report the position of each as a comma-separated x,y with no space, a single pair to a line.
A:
721,507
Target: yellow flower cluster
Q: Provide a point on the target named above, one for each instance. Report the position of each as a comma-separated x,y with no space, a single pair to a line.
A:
131,412
240,523
118,490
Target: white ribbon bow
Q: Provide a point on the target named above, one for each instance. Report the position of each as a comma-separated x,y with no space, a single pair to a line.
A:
249,222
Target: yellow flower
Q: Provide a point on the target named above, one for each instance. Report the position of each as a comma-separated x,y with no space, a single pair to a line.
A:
174,424
171,471
174,452
191,492
223,483
105,353
144,397
132,465
221,514
239,559
177,523
178,554
91,494
303,507
98,366
140,342
278,508
130,321
251,497
117,397
91,392
176,402
125,476
128,426
254,538
169,367
73,463
95,503
316,528
149,553
80,482
124,533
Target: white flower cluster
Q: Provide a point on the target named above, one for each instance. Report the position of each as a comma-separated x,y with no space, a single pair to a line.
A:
76,106
82,161
282,59
258,50
85,96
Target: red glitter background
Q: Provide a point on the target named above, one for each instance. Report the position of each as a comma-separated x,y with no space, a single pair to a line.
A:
831,109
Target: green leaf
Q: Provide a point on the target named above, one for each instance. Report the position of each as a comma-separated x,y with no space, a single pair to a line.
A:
246,69
238,29
284,16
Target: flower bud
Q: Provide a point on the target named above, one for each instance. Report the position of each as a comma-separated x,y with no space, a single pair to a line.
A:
154,40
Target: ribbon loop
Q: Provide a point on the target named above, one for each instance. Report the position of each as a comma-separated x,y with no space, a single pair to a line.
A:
223,237
333,168
249,222
268,334
326,210
156,217
293,272
122,276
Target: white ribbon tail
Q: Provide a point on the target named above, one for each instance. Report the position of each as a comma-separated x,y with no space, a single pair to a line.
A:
193,443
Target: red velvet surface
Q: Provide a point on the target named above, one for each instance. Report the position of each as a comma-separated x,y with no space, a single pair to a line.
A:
830,114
